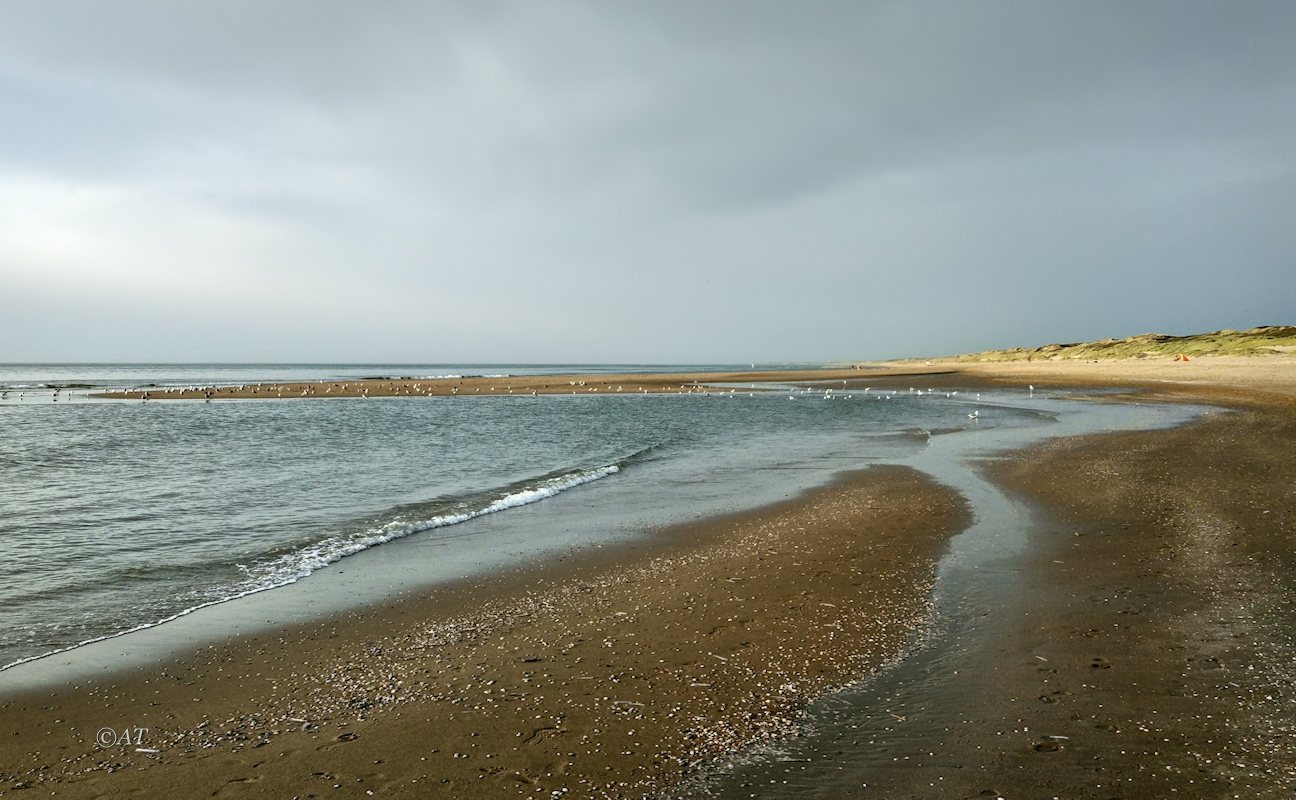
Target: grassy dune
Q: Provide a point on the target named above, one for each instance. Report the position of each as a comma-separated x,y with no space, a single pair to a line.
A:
1261,341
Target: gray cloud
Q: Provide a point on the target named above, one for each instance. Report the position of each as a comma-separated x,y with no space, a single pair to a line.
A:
669,182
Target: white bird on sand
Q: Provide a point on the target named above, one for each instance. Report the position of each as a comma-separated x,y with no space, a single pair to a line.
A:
975,414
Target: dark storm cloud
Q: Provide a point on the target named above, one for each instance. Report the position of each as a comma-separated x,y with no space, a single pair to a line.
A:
668,181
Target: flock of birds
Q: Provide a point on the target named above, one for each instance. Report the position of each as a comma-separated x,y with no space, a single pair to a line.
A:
206,393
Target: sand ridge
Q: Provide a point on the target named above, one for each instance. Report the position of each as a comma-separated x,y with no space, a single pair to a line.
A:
510,385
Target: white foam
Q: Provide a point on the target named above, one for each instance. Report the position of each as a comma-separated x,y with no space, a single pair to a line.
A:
297,565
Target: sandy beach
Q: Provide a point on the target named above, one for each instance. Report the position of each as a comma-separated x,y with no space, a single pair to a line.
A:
1252,381
1149,652
605,678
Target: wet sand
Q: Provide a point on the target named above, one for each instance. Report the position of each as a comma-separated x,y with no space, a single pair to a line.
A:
1141,646
599,677
1163,601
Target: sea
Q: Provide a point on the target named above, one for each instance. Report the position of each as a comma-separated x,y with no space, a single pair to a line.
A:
118,515
125,521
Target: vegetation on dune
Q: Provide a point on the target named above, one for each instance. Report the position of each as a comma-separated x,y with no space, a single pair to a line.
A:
1261,341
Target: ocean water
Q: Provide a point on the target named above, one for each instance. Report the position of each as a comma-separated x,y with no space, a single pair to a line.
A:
116,516
36,377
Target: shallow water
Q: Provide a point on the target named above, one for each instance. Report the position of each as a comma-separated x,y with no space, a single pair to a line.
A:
866,739
117,515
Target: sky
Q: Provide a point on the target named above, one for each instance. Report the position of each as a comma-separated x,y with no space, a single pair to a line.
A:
667,182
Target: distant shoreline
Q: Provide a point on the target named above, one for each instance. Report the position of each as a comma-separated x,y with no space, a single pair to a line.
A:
516,385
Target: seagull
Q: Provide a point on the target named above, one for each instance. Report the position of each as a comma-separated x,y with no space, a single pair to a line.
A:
975,414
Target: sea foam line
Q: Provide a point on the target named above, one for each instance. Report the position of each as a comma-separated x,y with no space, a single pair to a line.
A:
295,566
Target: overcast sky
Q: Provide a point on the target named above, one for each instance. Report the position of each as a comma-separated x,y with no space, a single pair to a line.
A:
612,181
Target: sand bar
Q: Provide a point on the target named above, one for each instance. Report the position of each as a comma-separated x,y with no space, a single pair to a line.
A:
516,385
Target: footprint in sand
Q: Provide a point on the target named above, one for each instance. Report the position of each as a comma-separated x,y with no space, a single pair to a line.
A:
339,740
541,734
233,786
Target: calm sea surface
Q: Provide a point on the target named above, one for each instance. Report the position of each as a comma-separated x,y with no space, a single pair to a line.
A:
116,515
